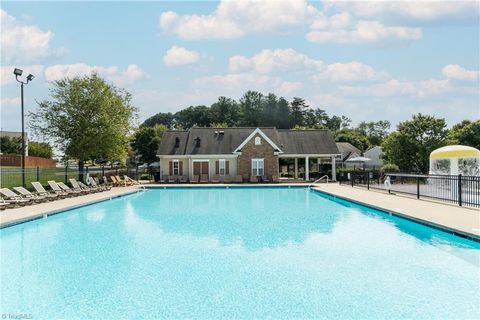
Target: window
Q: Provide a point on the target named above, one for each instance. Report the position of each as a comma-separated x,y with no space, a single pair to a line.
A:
257,167
258,141
221,167
176,168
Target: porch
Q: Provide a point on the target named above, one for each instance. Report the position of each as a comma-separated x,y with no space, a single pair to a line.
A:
306,167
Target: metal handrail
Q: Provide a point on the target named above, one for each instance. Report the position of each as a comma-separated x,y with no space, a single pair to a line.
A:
319,179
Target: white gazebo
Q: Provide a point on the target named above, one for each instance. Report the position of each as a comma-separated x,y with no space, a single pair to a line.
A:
454,160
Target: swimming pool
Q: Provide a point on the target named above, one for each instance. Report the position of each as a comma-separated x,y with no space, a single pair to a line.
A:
231,253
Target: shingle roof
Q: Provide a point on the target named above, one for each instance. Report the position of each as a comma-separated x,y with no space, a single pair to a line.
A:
348,150
214,142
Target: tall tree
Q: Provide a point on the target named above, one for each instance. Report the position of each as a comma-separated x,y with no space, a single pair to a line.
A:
145,143
11,145
251,109
465,133
283,114
225,110
410,146
40,149
374,131
298,109
193,116
86,118
353,137
159,118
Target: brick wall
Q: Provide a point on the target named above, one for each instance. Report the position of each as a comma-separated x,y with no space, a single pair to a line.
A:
16,161
251,151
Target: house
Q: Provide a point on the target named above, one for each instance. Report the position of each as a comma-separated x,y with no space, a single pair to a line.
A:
375,156
247,152
348,151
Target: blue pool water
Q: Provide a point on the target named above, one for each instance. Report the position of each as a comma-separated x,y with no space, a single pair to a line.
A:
235,253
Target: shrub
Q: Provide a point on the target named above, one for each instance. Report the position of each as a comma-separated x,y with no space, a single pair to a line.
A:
390,167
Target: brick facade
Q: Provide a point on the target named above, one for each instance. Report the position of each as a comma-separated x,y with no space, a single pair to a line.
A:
251,151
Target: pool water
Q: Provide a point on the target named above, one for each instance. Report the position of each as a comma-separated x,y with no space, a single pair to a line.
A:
235,253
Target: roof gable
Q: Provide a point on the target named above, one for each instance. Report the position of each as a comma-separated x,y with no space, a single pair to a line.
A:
253,134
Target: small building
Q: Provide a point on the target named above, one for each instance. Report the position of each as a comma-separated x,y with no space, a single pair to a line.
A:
347,151
454,160
249,152
375,156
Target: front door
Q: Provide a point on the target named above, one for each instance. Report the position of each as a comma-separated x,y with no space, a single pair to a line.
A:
200,167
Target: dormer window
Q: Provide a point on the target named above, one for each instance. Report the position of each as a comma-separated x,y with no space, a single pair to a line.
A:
258,141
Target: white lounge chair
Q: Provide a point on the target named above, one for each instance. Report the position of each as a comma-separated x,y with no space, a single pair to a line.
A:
77,187
40,190
56,188
25,194
11,197
69,190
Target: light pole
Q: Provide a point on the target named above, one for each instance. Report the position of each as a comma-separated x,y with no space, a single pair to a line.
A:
18,72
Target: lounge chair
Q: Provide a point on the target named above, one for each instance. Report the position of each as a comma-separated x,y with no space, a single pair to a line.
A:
105,183
85,187
77,187
253,179
274,178
215,179
3,205
42,192
171,179
69,190
11,197
204,178
183,179
56,188
115,182
130,181
238,179
227,179
121,181
94,183
195,178
265,179
25,194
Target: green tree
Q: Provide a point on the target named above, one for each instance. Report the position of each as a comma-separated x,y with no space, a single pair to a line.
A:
374,131
160,118
40,149
86,118
298,109
353,137
145,143
193,116
283,114
10,145
410,146
225,110
465,133
251,109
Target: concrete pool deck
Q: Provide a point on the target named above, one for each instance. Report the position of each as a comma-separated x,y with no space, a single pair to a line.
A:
459,220
463,221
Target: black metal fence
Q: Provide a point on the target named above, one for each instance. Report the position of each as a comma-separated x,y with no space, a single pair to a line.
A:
457,189
12,176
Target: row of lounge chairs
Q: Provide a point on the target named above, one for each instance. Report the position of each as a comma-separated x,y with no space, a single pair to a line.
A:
217,179
58,190
125,182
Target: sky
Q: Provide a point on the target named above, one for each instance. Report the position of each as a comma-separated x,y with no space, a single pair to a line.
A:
367,60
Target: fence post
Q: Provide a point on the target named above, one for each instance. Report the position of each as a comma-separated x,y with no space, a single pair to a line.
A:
460,190
66,168
418,187
352,177
368,180
103,171
38,173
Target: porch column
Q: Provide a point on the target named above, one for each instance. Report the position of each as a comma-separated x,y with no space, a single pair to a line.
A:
307,169
319,162
334,169
295,175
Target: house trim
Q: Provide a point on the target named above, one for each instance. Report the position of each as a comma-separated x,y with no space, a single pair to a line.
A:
250,137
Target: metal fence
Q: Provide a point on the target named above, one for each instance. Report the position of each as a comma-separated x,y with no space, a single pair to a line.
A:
12,176
457,189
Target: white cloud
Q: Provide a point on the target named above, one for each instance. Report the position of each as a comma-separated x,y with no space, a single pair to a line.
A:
10,102
351,71
347,31
7,76
238,82
128,76
418,10
23,43
287,88
280,60
177,56
456,72
396,87
234,19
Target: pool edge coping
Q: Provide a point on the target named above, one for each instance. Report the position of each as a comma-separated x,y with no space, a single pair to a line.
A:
441,227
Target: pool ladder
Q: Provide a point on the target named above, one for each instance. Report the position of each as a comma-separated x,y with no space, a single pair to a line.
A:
319,179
